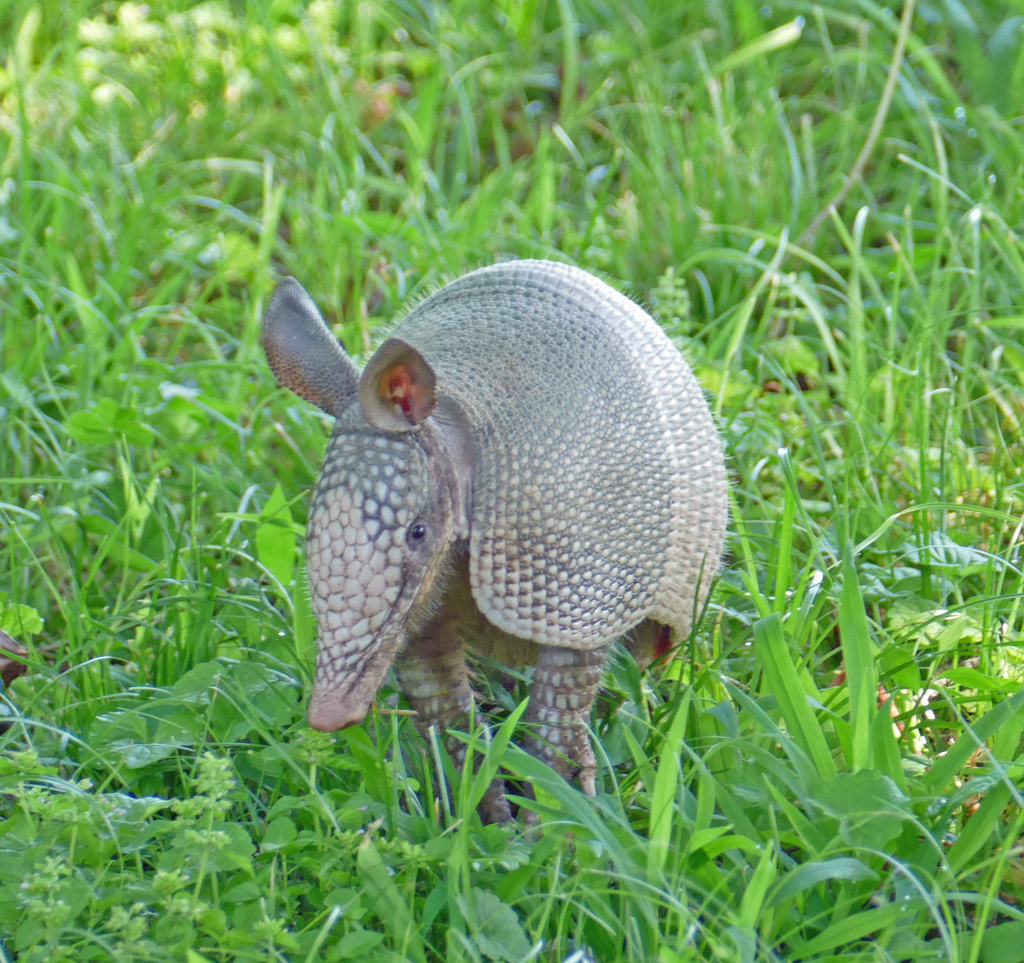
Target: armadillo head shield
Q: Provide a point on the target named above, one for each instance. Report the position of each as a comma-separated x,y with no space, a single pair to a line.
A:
381,519
380,527
374,544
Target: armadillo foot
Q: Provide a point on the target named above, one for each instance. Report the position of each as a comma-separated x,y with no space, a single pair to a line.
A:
435,680
564,686
494,807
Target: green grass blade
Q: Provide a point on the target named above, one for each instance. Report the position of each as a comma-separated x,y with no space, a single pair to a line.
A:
494,755
761,46
663,799
859,660
854,927
977,733
752,904
784,683
979,827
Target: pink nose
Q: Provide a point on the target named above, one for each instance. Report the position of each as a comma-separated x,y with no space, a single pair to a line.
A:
329,710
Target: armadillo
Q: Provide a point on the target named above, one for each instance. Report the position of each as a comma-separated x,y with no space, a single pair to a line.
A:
527,467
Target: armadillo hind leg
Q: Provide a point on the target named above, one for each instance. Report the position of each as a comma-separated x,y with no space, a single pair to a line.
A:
433,674
564,686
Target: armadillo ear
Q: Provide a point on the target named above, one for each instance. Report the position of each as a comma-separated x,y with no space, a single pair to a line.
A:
302,352
398,387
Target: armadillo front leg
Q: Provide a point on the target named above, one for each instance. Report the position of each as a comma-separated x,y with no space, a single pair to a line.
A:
564,686
433,674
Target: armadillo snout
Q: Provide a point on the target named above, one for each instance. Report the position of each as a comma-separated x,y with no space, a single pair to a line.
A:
327,714
370,491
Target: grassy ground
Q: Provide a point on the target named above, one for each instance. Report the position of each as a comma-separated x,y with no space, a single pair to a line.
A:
832,772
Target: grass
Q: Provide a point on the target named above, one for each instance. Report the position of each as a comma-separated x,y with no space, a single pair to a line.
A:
832,772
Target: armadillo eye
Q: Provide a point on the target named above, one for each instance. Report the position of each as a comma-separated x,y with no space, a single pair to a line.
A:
417,532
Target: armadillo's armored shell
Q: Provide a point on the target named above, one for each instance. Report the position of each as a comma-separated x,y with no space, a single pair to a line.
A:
599,488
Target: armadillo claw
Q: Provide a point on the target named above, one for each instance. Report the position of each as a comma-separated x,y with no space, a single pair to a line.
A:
494,807
574,758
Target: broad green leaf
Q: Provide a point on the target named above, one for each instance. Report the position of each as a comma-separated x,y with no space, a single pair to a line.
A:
870,805
20,621
136,755
243,892
795,355
811,874
275,540
814,840
279,833
1005,51
105,422
356,943
744,944
1003,943
496,929
970,678
238,851
388,902
195,685
436,901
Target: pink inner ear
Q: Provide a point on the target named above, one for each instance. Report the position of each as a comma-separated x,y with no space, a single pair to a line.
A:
398,387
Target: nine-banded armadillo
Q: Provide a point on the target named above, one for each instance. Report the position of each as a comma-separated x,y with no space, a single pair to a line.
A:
528,467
